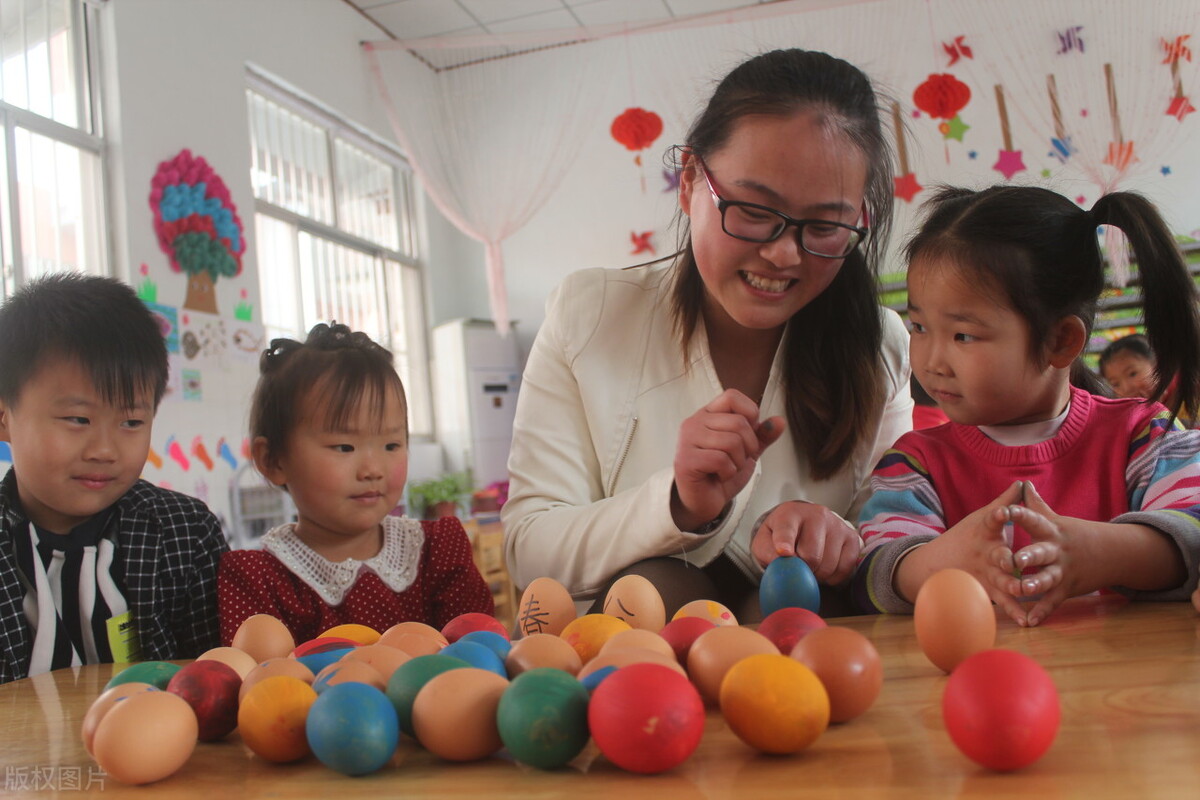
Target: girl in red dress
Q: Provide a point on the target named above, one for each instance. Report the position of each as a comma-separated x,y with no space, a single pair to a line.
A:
329,425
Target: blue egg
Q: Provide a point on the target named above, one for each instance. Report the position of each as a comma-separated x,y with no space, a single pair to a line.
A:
491,640
352,728
593,680
788,583
477,655
319,661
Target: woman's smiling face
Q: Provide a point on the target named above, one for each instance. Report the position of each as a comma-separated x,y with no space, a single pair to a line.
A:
798,164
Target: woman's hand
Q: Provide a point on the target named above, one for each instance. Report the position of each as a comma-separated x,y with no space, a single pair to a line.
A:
718,448
812,532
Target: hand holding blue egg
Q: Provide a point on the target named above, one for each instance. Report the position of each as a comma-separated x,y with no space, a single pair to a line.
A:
788,582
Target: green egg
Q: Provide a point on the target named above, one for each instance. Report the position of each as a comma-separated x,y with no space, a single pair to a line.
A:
156,673
542,717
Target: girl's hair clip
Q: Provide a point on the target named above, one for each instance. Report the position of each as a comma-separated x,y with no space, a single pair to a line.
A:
277,353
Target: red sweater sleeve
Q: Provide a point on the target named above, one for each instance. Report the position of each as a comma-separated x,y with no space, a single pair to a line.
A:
454,584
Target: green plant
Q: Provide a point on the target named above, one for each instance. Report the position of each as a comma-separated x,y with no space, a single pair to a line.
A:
451,487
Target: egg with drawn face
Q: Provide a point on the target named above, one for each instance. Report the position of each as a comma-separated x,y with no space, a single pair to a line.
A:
634,599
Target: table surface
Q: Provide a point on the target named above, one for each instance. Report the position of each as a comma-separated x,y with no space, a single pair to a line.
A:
1128,675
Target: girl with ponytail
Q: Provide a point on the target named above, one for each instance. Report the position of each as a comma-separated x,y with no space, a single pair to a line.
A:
1038,486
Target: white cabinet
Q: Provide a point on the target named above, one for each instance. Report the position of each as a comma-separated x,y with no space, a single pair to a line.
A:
476,376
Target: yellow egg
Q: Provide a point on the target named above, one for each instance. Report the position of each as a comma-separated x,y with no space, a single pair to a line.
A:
273,667
953,617
241,661
634,599
362,634
546,607
587,634
146,737
263,637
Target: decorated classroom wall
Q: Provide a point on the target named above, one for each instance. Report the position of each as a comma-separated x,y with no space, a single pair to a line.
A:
182,219
1071,94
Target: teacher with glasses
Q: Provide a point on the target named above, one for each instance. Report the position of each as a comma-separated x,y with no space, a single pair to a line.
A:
693,419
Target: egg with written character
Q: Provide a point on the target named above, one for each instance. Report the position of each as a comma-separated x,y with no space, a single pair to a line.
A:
953,618
546,607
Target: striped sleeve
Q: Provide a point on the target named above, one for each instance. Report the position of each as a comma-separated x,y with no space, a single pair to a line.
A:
903,511
1163,481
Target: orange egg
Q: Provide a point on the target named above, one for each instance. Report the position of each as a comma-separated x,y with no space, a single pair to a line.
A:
774,703
272,715
146,737
624,656
546,607
272,667
953,617
454,714
349,671
587,634
635,599
641,639
104,703
405,636
241,661
263,637
362,634
541,650
848,666
710,610
715,651
384,659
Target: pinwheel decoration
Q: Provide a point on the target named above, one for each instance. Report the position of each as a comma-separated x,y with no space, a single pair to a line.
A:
197,226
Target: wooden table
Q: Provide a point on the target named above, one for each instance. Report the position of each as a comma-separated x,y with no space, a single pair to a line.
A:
1128,675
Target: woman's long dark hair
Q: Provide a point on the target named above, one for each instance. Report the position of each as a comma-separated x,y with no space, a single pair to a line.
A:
1039,252
833,376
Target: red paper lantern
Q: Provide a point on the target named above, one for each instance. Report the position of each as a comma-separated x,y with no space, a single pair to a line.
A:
942,96
636,128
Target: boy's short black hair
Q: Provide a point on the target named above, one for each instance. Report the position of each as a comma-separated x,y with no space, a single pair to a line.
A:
98,322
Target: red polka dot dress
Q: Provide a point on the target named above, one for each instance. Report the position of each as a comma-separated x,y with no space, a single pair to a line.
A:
424,572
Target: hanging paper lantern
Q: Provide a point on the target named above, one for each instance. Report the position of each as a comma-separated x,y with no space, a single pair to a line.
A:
636,128
942,96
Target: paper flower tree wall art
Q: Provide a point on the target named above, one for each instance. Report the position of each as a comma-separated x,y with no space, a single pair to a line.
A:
197,226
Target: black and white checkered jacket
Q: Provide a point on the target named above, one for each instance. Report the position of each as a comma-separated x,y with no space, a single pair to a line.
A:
170,545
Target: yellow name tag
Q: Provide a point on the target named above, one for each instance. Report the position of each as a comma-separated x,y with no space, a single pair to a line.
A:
122,639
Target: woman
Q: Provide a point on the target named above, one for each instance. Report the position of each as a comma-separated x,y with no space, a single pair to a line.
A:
759,358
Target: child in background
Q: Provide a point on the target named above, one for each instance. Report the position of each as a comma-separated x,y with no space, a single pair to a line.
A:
1003,285
96,565
1129,366
329,424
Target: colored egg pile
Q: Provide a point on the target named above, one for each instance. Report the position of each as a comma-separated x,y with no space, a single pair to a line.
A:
628,679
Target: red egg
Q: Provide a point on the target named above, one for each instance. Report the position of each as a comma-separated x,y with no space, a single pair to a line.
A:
788,625
1001,709
681,633
646,718
211,689
472,621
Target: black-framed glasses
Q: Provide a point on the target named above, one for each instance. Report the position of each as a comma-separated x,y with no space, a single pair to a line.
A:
751,222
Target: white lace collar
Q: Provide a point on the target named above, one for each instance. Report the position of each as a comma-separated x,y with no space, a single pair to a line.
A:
395,564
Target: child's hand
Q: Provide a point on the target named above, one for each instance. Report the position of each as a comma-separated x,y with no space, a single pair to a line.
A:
812,532
1054,550
718,448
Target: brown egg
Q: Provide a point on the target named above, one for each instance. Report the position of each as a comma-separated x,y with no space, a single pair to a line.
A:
404,635
641,639
104,703
241,661
546,607
383,658
710,610
349,671
848,666
624,656
454,714
146,737
635,599
541,650
272,667
715,651
953,617
263,637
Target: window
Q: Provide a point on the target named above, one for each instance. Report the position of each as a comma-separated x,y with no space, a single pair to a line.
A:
51,172
335,224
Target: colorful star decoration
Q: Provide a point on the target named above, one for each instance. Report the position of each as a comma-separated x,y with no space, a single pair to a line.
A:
1165,170
954,128
1009,163
1180,107
971,154
907,187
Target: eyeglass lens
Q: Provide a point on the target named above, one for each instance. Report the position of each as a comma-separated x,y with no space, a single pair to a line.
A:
760,225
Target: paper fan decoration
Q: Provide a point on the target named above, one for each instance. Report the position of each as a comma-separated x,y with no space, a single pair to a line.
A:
197,226
1120,152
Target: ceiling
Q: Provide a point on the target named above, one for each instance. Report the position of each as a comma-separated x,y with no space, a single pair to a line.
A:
417,19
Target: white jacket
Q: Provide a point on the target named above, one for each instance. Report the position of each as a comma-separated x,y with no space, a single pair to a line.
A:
604,393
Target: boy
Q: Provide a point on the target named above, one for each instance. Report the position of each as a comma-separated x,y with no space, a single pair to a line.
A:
96,565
